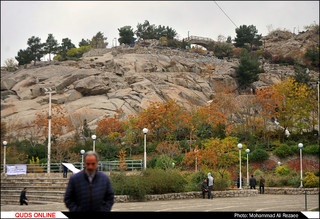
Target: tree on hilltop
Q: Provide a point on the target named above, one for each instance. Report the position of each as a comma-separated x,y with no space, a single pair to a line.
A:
35,48
247,35
51,45
126,35
99,41
65,46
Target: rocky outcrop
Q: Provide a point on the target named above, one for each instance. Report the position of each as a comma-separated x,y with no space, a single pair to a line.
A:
125,78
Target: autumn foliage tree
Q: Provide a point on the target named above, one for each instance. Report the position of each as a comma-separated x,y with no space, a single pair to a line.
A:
215,153
296,107
269,101
60,123
162,119
109,125
122,163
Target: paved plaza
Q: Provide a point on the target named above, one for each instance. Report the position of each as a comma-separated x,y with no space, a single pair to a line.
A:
251,204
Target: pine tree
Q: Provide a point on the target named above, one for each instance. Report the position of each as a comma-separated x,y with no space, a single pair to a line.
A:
51,45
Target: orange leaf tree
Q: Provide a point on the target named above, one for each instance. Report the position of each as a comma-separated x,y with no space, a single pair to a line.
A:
60,123
218,154
107,125
122,163
162,119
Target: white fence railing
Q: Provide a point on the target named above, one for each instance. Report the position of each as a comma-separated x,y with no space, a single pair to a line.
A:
102,166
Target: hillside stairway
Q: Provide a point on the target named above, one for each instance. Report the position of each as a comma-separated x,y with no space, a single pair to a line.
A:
41,189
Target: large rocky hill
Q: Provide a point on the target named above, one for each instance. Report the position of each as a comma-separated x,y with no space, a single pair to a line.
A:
124,77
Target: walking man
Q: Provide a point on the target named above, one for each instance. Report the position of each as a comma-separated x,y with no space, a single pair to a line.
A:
23,197
89,189
252,182
210,186
261,185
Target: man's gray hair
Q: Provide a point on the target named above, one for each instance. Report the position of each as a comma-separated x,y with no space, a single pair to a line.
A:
91,153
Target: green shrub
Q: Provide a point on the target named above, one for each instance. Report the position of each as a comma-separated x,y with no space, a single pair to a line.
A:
310,180
258,155
312,149
283,151
134,186
160,181
282,171
221,184
257,173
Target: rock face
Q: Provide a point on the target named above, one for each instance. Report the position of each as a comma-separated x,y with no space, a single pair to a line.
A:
125,78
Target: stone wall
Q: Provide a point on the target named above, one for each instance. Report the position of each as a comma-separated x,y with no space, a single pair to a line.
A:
191,195
290,191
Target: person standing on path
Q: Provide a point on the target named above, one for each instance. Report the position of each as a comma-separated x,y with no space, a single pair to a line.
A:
23,197
65,169
261,185
252,182
89,189
210,182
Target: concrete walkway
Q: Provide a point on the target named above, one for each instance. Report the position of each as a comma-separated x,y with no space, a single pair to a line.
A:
252,204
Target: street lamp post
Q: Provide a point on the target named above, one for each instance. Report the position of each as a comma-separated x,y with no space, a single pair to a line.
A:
248,151
300,145
49,91
196,151
94,137
240,147
4,155
82,153
145,131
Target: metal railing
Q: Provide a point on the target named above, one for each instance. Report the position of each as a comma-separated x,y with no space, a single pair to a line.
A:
102,166
198,38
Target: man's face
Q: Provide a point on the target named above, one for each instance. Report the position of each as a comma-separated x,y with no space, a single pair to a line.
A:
91,163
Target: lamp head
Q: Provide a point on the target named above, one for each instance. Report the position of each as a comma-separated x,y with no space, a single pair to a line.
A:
239,146
248,151
300,145
4,143
94,137
145,131
82,152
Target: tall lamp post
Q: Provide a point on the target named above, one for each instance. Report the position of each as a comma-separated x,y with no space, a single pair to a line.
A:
49,91
94,137
145,131
196,151
240,147
248,151
4,155
82,153
300,145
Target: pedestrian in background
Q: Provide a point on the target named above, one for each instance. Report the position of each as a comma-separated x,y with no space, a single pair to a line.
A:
261,185
252,182
204,187
89,189
238,182
23,197
65,169
210,182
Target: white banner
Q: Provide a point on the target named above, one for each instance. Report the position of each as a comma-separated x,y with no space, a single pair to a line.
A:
31,214
16,169
71,167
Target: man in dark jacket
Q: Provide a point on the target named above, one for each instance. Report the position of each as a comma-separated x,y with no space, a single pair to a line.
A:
23,197
204,187
89,190
252,182
65,169
261,185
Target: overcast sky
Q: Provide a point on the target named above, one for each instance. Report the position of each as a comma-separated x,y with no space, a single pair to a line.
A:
83,19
